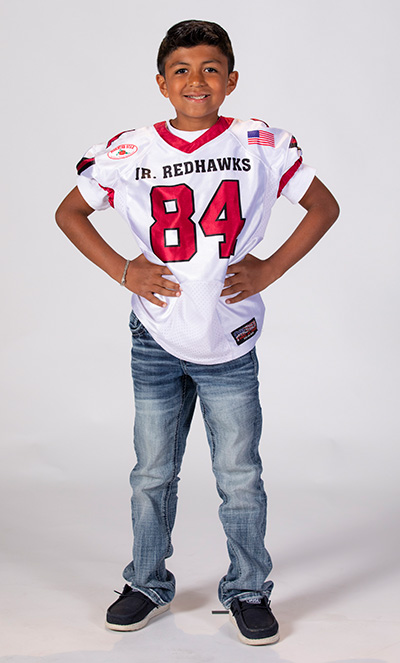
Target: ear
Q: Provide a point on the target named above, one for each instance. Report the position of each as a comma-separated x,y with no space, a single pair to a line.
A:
232,82
162,84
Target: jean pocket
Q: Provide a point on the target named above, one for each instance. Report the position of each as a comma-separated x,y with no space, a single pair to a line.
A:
136,327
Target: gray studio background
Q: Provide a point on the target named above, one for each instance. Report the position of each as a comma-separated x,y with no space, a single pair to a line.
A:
75,73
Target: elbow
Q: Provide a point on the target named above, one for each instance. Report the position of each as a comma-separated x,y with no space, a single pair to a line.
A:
58,216
333,210
63,219
72,210
62,216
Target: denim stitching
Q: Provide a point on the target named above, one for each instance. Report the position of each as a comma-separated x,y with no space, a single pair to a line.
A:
254,359
219,490
136,326
165,503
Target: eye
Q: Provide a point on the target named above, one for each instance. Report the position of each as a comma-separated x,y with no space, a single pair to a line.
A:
211,70
182,70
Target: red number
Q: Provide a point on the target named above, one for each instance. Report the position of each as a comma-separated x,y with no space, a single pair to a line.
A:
173,235
223,216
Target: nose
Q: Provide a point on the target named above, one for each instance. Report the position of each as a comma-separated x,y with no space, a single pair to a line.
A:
196,78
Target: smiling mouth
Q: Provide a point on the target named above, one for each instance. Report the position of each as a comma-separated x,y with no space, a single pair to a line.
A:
197,97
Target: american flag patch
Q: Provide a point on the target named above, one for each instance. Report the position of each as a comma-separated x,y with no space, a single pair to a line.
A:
261,137
241,334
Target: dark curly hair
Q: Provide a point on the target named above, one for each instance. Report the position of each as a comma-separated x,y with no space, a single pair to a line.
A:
191,33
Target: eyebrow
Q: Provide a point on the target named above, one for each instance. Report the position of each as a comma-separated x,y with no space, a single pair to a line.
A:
175,64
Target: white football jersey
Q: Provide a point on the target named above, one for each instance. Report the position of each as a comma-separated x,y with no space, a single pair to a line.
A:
197,207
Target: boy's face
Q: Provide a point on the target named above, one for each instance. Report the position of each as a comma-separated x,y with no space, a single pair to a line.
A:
196,82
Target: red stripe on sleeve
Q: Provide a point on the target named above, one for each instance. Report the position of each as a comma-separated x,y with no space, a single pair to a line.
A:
110,194
288,175
83,164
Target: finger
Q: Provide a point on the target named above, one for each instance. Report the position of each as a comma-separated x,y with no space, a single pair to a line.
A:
154,300
238,298
233,269
170,285
231,282
165,270
167,292
233,290
235,278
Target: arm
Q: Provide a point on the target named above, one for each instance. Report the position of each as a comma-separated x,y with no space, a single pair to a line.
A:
143,277
252,275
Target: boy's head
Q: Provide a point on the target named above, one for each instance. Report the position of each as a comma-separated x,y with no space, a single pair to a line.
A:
195,62
187,34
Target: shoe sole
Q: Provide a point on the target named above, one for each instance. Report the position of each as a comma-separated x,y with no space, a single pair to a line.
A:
138,625
251,641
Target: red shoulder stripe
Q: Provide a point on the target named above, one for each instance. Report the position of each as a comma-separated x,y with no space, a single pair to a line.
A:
257,120
117,136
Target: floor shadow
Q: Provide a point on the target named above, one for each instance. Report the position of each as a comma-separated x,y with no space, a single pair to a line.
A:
347,562
192,599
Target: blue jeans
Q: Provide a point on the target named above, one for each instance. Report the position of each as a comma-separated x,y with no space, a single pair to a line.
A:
166,389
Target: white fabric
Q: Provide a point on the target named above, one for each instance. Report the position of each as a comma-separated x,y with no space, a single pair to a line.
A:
197,326
190,136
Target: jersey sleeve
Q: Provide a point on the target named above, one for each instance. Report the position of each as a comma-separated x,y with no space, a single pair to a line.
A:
296,176
98,196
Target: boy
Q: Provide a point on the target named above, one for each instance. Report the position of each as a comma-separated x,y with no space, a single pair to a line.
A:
197,192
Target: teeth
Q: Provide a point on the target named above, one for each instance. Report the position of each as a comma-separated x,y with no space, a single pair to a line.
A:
193,96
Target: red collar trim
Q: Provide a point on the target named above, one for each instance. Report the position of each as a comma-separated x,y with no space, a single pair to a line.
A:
221,125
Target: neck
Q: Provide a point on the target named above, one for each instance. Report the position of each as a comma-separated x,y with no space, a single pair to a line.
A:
193,123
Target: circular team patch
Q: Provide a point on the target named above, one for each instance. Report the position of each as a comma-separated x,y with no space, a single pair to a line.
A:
122,151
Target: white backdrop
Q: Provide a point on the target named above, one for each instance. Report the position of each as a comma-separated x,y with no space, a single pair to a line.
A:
75,73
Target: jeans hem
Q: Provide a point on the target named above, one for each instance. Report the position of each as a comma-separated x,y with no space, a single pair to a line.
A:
151,594
245,596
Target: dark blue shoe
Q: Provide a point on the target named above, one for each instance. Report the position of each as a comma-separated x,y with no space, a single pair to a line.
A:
132,610
254,620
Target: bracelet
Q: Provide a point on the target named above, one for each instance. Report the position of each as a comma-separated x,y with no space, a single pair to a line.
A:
123,280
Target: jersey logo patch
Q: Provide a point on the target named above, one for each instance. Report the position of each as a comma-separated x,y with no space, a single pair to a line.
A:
261,137
122,151
243,333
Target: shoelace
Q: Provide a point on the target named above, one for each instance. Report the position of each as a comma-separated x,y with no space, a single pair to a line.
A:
246,605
